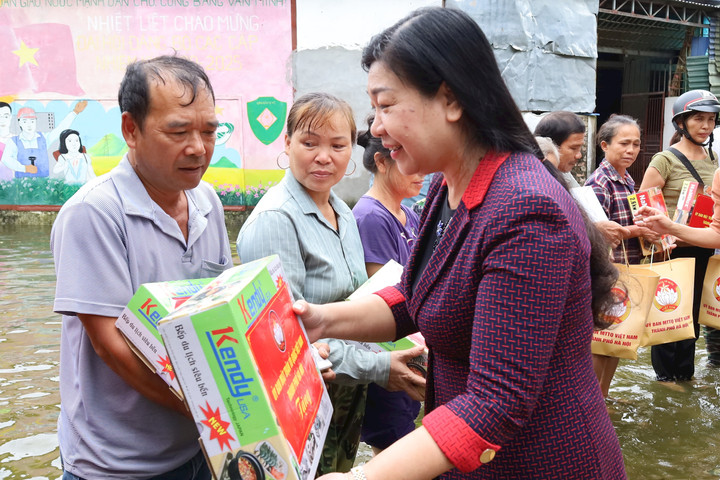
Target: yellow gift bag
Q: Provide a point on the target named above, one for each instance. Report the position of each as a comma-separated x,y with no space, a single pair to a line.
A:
634,292
670,317
710,305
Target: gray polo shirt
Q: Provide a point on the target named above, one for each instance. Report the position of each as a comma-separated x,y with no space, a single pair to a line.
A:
107,240
322,264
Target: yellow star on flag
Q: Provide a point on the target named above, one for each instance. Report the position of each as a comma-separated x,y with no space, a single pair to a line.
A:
218,110
26,54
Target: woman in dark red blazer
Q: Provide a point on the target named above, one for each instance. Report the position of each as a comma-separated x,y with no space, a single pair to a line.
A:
498,282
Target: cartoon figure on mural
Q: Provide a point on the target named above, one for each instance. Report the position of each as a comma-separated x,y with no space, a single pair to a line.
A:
73,163
30,147
9,166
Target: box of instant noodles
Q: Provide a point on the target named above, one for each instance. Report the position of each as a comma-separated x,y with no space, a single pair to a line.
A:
248,376
139,322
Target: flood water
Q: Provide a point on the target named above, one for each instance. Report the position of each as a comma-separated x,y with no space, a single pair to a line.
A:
667,431
30,354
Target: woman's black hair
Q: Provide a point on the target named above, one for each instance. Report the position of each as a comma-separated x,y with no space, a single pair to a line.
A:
63,136
676,137
372,145
603,274
436,45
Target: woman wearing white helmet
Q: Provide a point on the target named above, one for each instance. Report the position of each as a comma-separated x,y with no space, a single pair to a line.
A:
690,157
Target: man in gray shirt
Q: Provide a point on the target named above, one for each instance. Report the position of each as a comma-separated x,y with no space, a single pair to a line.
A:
150,219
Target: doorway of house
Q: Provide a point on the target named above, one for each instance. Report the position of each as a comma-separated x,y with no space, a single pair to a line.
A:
648,108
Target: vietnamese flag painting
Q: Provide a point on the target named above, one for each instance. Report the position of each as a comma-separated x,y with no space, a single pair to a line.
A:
38,58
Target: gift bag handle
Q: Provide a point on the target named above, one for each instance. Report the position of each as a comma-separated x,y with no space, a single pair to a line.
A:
625,255
666,256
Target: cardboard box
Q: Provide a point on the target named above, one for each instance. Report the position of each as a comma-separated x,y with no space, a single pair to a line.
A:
389,275
138,322
245,367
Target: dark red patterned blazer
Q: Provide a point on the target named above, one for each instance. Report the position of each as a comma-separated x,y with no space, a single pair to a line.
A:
504,305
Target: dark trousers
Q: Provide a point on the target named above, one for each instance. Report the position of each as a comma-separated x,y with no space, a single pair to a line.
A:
712,342
676,360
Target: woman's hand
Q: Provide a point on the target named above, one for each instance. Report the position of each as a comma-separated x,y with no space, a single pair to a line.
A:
649,235
311,318
402,378
323,350
655,220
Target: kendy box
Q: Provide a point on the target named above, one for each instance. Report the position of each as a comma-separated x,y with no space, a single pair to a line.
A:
246,370
138,322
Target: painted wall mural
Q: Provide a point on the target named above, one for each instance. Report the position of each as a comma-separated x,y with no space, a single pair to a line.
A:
61,62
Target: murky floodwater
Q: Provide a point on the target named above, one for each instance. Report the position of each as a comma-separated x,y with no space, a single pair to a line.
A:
30,347
666,431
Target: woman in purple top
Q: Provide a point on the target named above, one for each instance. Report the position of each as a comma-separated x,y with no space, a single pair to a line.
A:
388,230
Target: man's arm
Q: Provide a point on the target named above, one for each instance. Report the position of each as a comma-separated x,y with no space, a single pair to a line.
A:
613,232
112,348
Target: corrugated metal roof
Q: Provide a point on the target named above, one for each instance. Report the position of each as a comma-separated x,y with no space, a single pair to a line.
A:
697,73
714,58
706,3
650,27
626,33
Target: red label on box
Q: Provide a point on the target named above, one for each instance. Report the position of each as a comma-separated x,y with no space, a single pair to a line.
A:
289,374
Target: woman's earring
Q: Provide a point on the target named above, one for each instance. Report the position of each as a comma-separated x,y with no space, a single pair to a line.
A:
277,160
354,168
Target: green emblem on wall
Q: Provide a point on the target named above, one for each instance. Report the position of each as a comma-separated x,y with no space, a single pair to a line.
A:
267,118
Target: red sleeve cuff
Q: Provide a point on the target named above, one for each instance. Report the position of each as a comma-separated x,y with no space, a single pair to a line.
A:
461,445
391,295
